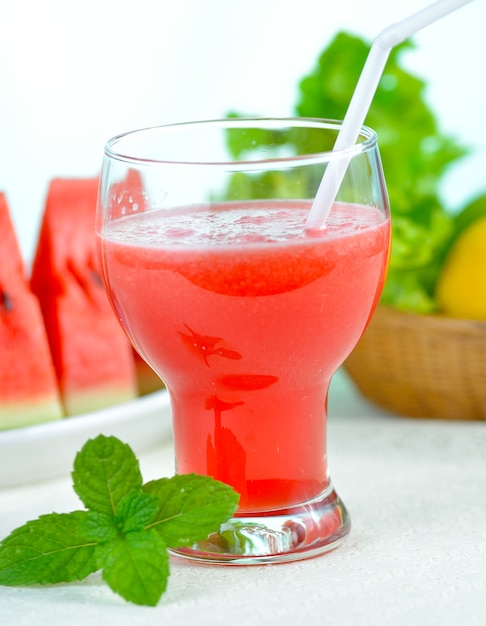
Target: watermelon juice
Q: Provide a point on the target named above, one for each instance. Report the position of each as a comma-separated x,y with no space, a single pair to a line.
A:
246,319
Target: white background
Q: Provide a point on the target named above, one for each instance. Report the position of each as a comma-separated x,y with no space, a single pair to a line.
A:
72,74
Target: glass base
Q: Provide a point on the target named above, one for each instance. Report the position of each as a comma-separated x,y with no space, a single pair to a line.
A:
290,534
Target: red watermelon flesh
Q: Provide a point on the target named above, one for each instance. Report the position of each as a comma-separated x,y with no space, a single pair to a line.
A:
148,381
92,356
28,385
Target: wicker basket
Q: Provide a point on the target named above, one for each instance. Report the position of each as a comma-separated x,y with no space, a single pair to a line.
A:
422,366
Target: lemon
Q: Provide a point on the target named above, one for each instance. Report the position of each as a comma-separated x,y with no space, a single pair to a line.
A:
461,288
470,213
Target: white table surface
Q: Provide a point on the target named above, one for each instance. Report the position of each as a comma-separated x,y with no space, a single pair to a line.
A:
416,555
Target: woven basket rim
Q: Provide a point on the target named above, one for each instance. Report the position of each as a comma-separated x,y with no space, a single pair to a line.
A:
431,322
422,365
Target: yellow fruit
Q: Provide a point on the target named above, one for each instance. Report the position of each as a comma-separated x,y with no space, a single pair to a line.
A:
461,288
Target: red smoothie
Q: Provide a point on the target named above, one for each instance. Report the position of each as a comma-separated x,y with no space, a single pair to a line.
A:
246,318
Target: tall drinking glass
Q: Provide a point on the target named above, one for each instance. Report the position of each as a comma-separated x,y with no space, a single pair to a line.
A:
243,313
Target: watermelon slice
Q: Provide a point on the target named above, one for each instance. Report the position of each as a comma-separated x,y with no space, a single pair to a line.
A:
28,385
148,381
92,356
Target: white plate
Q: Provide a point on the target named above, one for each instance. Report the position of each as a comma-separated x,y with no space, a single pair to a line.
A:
47,450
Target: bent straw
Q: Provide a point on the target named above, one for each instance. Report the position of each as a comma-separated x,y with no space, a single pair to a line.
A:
362,98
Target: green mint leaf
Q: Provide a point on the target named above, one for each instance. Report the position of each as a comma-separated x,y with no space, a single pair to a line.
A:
99,527
125,532
190,507
105,471
137,510
136,566
47,550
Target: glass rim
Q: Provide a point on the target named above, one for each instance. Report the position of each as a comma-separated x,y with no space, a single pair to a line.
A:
367,140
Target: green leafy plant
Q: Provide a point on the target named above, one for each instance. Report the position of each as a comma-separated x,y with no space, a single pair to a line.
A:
415,153
124,531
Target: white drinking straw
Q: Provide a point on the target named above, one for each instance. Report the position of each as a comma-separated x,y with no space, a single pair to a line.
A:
362,97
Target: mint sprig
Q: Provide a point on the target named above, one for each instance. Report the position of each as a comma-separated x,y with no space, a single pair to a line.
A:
189,508
125,529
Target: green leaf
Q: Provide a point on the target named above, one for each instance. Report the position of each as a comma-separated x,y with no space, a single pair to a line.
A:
405,291
415,152
241,142
47,550
99,527
136,566
137,510
105,471
190,507
123,532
